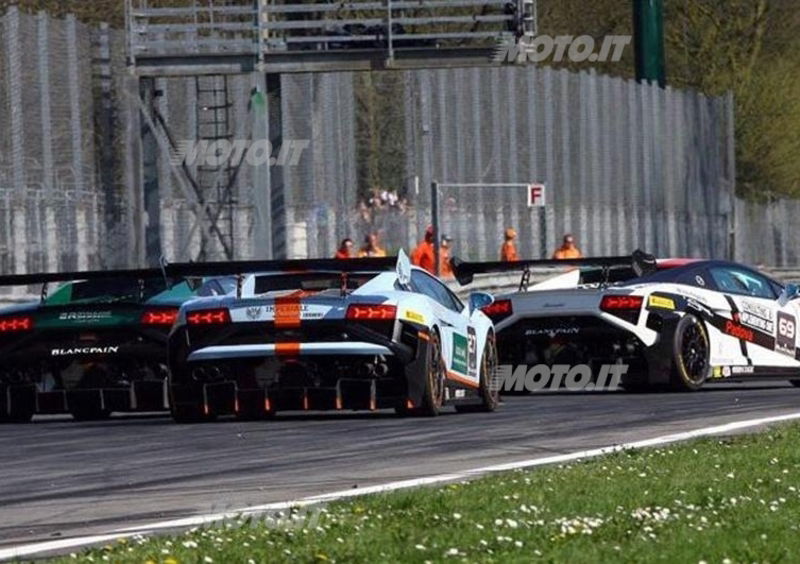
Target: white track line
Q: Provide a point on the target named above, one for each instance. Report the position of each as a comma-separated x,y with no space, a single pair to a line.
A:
61,545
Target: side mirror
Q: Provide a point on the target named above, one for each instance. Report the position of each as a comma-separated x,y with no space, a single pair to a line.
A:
479,300
790,292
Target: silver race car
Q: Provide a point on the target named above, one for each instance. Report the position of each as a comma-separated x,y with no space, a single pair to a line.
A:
673,322
327,335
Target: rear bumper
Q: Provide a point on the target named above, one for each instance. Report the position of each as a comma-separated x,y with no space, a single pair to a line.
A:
355,348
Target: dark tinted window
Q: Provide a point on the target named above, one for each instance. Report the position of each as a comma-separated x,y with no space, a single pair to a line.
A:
742,281
435,290
218,287
312,282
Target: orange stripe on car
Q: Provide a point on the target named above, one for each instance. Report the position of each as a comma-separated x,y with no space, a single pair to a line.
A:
461,379
287,312
287,349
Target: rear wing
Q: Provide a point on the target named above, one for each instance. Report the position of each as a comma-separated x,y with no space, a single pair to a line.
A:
44,279
186,271
640,262
239,269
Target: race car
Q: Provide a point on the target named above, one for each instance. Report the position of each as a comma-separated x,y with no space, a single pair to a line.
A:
329,334
674,322
95,345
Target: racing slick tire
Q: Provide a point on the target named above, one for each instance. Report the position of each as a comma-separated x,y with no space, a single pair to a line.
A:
690,355
434,377
17,418
488,390
21,402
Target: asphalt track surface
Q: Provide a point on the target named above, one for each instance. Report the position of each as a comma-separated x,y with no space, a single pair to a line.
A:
60,478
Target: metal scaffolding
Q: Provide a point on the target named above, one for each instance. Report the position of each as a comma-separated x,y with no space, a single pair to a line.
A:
294,36
211,39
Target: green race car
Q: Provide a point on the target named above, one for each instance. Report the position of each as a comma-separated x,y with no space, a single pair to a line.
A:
95,345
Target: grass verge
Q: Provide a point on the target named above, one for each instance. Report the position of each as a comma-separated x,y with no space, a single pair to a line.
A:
713,500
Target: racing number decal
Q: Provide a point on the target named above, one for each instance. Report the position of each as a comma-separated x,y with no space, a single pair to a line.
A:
787,327
472,353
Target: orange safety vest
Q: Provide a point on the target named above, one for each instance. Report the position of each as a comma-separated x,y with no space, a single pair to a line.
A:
508,252
423,256
567,253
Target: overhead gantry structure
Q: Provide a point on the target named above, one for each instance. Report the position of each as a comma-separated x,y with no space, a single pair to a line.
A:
212,39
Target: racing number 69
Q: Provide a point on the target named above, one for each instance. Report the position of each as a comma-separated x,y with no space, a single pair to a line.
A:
786,327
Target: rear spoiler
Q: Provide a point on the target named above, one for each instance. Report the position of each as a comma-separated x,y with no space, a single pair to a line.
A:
48,277
642,263
344,267
182,271
234,268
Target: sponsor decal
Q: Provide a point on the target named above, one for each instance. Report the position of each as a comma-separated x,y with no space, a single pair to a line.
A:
553,332
661,302
758,309
785,339
728,371
254,313
697,306
756,322
460,353
757,316
84,351
412,315
82,316
699,280
284,307
736,330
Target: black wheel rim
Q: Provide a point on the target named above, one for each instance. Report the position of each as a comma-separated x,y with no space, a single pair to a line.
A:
694,353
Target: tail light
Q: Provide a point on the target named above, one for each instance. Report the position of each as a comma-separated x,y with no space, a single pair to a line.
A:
369,312
624,307
15,324
209,317
498,310
164,317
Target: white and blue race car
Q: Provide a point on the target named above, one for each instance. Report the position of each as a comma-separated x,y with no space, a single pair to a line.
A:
329,334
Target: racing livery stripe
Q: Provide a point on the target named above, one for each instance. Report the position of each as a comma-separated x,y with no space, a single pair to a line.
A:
287,349
287,312
461,379
723,324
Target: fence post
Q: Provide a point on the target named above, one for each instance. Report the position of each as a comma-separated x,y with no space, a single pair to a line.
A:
76,133
435,224
16,130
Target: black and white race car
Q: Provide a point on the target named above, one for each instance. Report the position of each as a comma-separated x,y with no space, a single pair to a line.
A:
676,322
